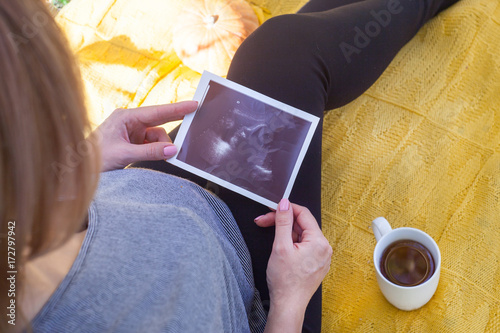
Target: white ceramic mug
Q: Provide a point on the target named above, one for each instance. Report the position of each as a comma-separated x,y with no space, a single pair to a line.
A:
402,297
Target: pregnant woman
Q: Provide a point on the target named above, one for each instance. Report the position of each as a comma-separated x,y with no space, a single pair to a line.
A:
88,246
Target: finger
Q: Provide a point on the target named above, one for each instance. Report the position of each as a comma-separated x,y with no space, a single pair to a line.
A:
157,134
284,224
297,233
304,219
266,220
151,152
160,114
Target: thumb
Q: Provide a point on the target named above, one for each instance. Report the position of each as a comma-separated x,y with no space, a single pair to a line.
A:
152,151
284,224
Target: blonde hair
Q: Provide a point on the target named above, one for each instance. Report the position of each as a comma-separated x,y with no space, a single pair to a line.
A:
48,169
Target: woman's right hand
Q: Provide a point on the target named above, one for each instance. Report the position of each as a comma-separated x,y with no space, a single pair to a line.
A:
299,261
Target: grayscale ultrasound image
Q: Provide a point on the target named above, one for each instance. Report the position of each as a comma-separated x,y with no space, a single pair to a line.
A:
244,141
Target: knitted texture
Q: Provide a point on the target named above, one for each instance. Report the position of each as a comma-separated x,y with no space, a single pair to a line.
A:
421,147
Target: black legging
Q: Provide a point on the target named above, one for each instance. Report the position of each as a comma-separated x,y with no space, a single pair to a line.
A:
317,60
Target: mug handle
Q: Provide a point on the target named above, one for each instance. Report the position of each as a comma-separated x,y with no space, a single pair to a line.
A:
380,227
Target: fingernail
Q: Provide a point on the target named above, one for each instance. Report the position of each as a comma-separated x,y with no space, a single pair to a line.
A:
170,150
284,204
258,218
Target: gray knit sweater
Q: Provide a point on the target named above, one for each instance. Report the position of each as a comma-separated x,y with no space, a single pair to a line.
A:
160,255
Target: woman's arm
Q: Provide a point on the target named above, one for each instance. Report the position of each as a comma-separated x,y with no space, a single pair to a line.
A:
299,261
285,319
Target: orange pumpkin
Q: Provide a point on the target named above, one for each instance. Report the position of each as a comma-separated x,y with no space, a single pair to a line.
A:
208,33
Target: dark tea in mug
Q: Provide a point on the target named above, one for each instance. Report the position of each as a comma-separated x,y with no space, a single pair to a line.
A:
407,263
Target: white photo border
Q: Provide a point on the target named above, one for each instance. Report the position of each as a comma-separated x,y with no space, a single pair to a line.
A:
199,96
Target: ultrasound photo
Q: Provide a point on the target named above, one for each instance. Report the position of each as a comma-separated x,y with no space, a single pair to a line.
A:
244,142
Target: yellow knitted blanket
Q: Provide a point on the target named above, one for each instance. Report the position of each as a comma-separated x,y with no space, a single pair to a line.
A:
421,147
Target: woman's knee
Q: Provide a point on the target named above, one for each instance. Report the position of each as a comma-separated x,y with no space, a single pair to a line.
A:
281,59
281,43
281,33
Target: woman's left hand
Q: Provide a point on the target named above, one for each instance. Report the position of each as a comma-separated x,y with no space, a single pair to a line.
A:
131,135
